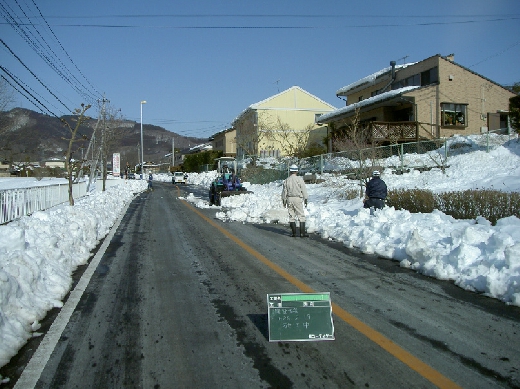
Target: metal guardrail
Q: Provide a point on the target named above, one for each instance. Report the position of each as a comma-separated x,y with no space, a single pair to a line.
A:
15,203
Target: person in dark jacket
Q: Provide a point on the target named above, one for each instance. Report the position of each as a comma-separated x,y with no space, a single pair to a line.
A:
376,192
150,180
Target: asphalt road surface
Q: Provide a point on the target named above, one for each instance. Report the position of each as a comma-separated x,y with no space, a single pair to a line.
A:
178,300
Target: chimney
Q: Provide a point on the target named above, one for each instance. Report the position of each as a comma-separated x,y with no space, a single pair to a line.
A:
392,64
450,57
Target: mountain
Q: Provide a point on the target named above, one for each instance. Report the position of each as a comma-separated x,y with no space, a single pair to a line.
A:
29,136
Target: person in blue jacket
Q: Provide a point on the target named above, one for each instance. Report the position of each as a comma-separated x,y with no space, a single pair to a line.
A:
150,179
376,192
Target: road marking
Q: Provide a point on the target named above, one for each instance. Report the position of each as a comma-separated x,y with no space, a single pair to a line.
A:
398,352
32,372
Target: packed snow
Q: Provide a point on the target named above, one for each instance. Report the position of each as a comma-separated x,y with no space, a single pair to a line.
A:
474,254
370,79
39,253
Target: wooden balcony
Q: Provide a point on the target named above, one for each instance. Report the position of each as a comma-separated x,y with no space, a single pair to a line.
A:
398,132
394,132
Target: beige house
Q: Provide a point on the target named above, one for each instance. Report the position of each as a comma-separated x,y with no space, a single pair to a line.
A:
225,141
281,124
433,98
55,163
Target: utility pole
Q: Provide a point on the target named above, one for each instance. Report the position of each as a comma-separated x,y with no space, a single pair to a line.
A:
138,156
103,146
95,160
173,152
86,160
142,147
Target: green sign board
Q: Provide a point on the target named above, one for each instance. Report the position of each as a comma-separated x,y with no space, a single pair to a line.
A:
300,317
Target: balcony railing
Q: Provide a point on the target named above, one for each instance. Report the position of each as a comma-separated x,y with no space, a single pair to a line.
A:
394,131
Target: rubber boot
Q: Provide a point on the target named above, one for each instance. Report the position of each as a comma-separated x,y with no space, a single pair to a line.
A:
293,228
303,233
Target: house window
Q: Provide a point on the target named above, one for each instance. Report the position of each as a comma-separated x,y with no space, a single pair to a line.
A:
454,114
316,117
430,76
414,80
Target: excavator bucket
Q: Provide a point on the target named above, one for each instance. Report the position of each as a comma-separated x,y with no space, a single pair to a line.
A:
227,193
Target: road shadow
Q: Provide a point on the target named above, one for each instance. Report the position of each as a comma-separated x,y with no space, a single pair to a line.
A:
260,320
274,228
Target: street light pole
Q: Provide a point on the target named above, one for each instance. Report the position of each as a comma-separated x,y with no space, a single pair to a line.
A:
142,148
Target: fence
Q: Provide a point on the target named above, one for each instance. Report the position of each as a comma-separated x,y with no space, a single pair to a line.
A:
347,162
15,203
400,157
404,156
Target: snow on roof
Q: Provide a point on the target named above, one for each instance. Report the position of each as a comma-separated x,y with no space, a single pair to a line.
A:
371,100
203,146
370,79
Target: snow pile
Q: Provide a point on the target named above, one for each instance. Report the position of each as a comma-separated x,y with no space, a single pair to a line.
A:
474,254
38,254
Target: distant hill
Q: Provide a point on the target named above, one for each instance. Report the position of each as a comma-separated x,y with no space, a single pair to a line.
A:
29,136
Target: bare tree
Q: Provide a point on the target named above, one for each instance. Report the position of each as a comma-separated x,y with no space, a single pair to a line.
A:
351,135
292,141
106,134
249,137
440,157
69,162
354,140
91,162
112,134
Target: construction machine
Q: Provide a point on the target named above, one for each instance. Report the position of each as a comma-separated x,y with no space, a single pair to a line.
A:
227,182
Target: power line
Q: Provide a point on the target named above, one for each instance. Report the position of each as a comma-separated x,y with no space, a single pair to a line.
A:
286,27
288,16
65,51
22,84
41,46
496,54
34,100
497,18
32,40
34,75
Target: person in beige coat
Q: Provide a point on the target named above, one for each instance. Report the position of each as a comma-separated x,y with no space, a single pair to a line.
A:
294,196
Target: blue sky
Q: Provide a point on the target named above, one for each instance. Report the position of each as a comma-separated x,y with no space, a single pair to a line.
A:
199,64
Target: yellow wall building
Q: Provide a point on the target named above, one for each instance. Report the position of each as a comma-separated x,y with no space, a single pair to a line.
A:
225,141
280,124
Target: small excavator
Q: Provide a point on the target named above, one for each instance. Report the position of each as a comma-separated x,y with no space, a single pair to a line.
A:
227,183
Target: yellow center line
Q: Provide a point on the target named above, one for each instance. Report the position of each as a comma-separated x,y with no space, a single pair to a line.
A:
398,352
